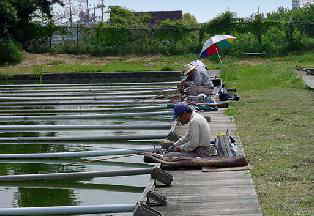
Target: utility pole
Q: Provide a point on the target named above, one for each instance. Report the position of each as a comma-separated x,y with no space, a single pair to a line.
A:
102,10
71,19
87,10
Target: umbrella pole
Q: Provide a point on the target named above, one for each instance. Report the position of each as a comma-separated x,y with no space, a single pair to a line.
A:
219,56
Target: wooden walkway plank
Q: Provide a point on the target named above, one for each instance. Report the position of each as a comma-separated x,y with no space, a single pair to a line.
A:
308,79
214,192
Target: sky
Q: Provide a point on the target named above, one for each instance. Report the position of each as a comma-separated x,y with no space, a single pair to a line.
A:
203,10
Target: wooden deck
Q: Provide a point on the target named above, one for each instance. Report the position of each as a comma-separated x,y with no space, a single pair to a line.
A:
219,192
308,79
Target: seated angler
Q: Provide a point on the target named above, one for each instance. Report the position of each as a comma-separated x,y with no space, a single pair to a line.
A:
196,141
197,80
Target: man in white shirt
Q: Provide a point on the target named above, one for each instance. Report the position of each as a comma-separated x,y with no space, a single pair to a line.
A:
197,139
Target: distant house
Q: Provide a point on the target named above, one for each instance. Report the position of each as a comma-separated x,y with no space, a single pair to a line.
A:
158,16
301,3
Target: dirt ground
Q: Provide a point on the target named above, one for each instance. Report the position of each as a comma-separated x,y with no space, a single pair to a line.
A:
52,59
47,58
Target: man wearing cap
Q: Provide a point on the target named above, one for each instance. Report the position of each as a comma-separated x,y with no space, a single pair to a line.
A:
197,73
197,138
197,79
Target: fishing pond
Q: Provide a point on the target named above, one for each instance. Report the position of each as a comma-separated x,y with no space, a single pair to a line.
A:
83,117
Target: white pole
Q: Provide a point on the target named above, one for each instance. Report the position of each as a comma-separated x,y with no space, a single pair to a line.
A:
68,210
218,55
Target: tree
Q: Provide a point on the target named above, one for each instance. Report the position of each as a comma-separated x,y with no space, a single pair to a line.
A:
189,19
222,24
18,18
122,17
8,17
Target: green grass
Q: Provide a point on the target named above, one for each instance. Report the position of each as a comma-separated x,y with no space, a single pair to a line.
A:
275,120
123,64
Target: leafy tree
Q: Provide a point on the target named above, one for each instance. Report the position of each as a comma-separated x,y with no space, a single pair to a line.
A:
8,17
122,17
222,24
17,18
257,26
189,19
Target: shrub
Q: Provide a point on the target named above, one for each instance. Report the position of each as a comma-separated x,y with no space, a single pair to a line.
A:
167,68
10,53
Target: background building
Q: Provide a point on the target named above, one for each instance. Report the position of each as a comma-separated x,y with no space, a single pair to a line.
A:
295,4
301,3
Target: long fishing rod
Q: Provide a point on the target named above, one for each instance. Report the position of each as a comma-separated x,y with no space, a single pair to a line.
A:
81,110
80,139
64,155
87,93
82,85
88,90
81,127
94,116
81,98
76,185
86,102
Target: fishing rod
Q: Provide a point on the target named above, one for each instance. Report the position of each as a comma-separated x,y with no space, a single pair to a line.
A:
94,116
64,155
81,127
82,85
87,93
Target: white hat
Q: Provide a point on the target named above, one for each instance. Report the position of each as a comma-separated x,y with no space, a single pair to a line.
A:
188,68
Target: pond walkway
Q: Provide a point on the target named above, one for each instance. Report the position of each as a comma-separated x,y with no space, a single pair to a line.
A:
214,192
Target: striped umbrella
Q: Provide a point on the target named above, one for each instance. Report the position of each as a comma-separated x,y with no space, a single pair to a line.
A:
214,45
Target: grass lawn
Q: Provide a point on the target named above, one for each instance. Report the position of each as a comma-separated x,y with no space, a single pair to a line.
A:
275,117
275,120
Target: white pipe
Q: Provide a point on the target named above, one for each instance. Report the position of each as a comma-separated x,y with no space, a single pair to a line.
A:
68,210
94,116
81,127
76,154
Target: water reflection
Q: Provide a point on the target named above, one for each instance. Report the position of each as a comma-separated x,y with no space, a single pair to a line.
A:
40,197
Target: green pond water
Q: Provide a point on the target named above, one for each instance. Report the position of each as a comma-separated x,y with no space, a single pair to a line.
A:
115,190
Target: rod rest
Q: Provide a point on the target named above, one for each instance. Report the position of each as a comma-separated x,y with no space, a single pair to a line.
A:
155,199
142,209
162,176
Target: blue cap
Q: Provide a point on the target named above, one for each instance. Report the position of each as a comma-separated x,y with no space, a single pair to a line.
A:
179,109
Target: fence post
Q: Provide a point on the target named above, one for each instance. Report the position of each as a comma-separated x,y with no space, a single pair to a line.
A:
201,36
77,35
